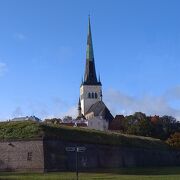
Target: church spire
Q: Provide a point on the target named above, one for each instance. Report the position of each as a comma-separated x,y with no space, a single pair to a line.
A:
89,50
90,71
79,108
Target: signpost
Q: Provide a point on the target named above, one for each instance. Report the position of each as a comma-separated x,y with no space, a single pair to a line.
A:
76,150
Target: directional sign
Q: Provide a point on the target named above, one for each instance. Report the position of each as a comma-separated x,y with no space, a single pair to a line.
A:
77,149
81,149
70,149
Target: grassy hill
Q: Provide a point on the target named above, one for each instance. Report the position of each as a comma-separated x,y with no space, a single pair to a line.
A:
32,130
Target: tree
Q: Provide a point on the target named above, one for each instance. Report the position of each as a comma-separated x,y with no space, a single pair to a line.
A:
170,125
174,140
154,119
67,119
145,127
139,115
53,121
142,125
118,123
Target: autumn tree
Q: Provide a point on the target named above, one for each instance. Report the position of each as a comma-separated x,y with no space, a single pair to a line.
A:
142,125
174,140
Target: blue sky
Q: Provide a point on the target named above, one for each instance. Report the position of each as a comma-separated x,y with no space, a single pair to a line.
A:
42,55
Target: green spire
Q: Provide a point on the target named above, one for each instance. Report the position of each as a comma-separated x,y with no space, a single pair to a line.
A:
89,50
90,71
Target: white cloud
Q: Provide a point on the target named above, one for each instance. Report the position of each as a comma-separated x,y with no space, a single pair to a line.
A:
17,112
72,111
56,108
20,36
173,93
121,103
3,68
62,108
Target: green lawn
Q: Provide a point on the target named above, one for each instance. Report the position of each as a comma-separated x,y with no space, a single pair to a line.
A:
172,173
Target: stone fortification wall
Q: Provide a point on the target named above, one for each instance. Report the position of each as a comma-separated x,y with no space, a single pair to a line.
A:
21,155
50,155
104,156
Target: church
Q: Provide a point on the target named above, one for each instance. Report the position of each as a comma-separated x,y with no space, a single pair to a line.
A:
91,106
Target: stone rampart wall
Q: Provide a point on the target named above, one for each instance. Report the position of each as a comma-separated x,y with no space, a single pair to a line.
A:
51,155
21,155
104,156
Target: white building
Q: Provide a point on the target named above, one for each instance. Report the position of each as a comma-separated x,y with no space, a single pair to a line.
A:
26,118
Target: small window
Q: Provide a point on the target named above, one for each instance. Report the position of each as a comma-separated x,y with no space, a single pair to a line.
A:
89,95
95,94
92,95
29,156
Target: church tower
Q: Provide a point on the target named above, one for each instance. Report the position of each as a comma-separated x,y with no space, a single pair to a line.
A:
91,88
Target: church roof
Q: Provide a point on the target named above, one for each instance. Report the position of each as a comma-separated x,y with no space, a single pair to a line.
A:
100,109
90,77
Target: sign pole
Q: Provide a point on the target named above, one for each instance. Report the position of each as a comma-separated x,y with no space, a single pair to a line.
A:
77,163
77,150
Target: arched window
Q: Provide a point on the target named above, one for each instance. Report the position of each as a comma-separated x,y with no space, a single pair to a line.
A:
89,95
92,95
95,94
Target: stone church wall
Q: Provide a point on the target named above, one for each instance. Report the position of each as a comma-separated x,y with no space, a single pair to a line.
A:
21,155
86,102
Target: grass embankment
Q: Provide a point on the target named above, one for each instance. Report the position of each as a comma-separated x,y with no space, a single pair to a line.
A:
31,130
163,173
